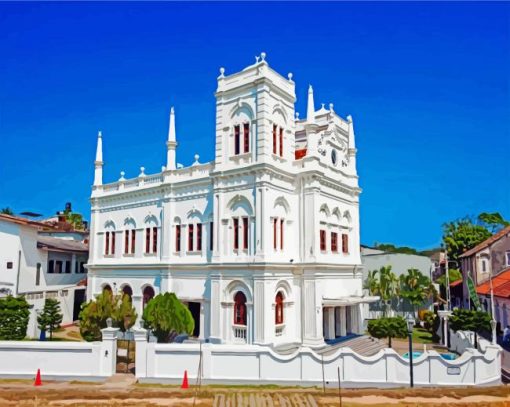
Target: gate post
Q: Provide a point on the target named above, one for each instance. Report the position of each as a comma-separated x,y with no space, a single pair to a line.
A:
141,352
108,351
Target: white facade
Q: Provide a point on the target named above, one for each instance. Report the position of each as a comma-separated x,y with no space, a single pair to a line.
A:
257,221
25,257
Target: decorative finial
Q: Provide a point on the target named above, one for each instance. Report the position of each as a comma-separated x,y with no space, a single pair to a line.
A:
349,118
172,110
290,75
331,107
257,59
163,168
196,157
222,72
99,134
297,115
122,173
263,56
322,105
142,172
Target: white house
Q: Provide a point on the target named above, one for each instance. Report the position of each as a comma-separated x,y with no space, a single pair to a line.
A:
263,242
38,265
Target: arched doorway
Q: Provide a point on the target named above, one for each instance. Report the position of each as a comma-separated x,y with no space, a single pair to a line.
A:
240,317
148,294
127,290
107,288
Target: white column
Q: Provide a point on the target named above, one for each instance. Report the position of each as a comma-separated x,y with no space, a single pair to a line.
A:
202,321
73,264
330,318
140,352
138,306
215,314
343,322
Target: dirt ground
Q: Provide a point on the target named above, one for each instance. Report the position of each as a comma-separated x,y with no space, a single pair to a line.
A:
122,392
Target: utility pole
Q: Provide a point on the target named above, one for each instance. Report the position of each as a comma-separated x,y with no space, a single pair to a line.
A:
448,307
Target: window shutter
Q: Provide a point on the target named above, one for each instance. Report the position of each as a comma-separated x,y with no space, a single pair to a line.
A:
236,233
190,238
246,137
236,140
323,240
199,236
245,233
274,138
133,241
154,240
281,142
177,238
107,243
147,240
281,233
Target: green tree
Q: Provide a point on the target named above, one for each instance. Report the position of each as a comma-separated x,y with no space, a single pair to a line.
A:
51,316
462,235
392,327
7,211
470,320
14,315
371,283
391,248
166,317
383,283
74,219
493,222
94,314
416,288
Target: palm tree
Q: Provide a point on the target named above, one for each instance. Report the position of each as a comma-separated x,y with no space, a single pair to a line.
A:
372,283
416,288
389,287
6,211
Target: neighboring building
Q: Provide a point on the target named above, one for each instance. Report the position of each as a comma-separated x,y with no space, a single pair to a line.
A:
491,257
374,259
263,242
37,265
501,292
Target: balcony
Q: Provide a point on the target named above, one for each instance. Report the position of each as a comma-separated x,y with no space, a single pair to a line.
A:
239,332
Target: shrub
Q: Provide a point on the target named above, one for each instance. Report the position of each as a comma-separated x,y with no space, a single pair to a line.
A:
166,316
392,327
14,316
94,314
51,317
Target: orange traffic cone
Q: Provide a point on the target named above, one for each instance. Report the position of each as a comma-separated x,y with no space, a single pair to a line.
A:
38,381
184,384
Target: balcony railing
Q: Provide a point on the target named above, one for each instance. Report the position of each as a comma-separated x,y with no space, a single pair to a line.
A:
278,331
239,333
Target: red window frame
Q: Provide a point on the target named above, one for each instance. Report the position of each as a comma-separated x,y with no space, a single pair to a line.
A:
211,236
133,241
199,236
237,141
275,233
147,240
107,244
345,243
113,242
239,309
154,239
274,138
177,238
278,310
323,240
282,223
281,142
190,237
236,233
246,141
245,233
126,242
334,242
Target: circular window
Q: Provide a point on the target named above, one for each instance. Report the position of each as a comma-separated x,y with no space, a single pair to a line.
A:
333,156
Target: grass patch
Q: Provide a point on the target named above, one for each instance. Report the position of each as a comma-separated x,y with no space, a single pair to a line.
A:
85,382
16,381
421,335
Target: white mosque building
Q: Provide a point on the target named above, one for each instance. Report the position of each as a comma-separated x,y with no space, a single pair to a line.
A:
262,243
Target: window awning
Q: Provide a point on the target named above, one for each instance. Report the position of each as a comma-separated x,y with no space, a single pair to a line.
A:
351,300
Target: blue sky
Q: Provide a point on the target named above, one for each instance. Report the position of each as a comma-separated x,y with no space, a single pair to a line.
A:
428,85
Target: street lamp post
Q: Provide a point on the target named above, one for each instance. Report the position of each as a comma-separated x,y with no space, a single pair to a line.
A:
410,325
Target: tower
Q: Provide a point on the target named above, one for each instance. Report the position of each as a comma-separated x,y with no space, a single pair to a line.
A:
98,163
171,144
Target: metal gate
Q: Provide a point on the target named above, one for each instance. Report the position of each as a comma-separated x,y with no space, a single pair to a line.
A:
126,351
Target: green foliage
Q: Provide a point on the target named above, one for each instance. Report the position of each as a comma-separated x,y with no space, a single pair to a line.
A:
416,287
394,327
7,211
74,219
94,314
14,315
428,319
166,316
462,235
470,320
453,275
492,221
391,248
51,316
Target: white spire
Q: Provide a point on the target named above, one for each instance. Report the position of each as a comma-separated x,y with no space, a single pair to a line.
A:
171,128
310,110
352,142
171,144
98,164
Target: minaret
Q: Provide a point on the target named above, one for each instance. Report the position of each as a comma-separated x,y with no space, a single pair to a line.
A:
98,164
310,109
351,143
171,144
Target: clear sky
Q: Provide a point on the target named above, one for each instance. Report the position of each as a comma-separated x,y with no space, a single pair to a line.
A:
428,85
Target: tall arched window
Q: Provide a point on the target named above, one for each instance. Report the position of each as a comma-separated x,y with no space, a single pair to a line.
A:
278,311
107,288
127,290
240,308
148,294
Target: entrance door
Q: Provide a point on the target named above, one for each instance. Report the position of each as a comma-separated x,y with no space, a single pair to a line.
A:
194,308
79,298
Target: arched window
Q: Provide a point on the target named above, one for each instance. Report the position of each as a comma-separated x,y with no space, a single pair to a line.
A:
107,288
278,311
240,308
148,294
127,290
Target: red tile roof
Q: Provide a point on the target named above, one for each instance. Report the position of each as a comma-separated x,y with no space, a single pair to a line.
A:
500,285
23,221
486,243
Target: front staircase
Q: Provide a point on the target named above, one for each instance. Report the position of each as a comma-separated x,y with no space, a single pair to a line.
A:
363,345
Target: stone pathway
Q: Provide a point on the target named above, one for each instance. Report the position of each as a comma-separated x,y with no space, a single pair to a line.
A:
263,400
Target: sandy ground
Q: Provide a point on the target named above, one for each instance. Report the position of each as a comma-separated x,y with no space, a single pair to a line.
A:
123,391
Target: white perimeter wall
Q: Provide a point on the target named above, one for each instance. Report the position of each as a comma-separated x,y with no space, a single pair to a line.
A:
259,364
66,360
